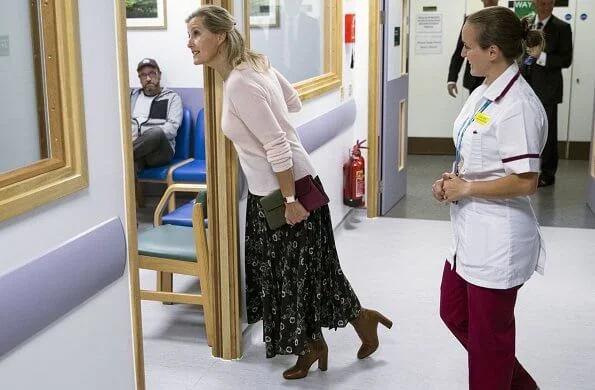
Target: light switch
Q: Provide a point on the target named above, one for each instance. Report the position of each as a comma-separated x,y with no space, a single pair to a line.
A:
4,46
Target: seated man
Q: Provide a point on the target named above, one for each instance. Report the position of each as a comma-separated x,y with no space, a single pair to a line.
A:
156,116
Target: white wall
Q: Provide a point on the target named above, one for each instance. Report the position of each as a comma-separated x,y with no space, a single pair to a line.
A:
329,159
91,347
431,110
18,103
168,48
579,79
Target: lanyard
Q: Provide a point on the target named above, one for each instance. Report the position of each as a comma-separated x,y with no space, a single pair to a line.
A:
471,119
461,133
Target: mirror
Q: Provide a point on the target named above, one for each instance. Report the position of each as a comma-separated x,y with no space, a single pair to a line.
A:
25,141
302,40
42,155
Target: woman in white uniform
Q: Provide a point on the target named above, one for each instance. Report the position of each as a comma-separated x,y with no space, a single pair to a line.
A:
497,245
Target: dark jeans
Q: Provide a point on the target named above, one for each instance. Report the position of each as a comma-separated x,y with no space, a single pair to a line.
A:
151,149
549,156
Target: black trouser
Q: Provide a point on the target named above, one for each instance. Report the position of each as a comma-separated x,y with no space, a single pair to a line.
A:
549,156
151,149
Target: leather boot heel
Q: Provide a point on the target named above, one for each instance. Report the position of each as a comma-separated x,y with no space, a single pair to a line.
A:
318,352
366,326
323,361
383,320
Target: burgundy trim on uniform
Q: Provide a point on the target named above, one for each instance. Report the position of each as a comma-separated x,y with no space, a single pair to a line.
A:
520,157
508,86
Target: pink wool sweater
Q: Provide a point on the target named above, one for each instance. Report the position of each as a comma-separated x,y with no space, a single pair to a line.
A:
255,118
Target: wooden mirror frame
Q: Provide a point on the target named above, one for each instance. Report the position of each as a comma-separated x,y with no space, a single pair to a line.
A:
333,62
60,94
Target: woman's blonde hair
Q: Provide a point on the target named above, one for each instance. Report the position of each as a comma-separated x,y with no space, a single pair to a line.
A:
219,21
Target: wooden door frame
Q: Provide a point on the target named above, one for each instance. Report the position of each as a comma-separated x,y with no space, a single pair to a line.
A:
375,81
222,177
222,208
374,110
129,197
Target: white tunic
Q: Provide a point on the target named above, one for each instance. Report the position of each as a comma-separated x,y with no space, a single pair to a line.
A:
497,242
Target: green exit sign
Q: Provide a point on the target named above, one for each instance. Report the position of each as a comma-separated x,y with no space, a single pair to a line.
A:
523,8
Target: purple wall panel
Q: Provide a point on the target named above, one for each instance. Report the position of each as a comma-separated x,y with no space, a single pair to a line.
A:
43,290
327,126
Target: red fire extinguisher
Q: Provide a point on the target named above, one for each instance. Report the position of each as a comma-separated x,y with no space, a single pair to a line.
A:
354,178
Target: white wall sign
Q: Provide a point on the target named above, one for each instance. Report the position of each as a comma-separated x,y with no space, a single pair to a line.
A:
428,38
428,23
428,44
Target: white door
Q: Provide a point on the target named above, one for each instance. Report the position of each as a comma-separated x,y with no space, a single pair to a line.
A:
582,79
582,117
567,14
393,173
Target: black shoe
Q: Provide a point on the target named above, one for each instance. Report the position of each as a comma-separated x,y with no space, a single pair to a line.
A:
545,181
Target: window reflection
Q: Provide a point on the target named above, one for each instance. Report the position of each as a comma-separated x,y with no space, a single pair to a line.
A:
24,142
294,44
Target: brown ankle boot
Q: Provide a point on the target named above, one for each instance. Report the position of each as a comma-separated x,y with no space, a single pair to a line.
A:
318,351
366,326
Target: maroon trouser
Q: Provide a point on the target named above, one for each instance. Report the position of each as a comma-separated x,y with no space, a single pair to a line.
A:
482,319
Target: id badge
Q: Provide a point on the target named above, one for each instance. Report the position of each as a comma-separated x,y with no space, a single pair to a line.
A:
481,118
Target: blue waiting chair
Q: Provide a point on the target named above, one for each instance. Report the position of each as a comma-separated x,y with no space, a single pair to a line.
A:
195,171
182,216
163,174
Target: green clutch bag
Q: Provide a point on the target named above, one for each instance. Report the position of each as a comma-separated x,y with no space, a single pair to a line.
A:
274,209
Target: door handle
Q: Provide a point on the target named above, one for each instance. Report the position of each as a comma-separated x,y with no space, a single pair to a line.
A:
578,81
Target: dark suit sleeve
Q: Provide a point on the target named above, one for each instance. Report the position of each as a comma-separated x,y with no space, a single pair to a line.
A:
562,58
456,61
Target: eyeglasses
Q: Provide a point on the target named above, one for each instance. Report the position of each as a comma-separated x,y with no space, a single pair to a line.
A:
151,74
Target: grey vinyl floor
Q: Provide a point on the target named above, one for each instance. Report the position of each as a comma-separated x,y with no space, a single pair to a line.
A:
395,265
561,205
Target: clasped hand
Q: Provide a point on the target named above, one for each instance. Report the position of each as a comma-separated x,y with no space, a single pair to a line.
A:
450,188
534,51
295,213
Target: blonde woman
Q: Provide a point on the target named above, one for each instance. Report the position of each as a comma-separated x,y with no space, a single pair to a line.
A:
294,281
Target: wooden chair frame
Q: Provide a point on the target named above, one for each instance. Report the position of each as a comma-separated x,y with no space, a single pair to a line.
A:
165,267
169,181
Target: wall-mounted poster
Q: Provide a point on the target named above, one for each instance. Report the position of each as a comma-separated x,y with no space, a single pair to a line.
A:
146,14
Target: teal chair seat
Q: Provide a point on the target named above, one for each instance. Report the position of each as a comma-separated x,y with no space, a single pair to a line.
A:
168,241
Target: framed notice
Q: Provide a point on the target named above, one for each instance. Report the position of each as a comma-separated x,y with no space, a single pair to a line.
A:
146,14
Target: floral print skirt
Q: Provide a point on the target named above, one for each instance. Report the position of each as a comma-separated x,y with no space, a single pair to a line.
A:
294,281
